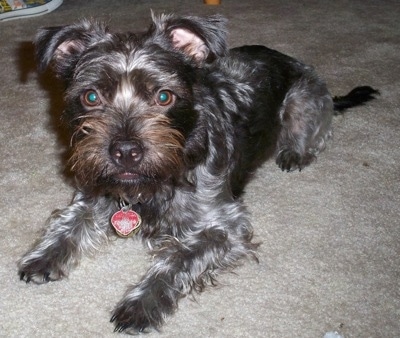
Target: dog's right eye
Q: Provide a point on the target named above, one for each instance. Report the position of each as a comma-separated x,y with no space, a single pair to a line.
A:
164,98
91,99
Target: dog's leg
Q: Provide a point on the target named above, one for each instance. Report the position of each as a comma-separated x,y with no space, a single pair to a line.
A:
305,116
182,265
78,229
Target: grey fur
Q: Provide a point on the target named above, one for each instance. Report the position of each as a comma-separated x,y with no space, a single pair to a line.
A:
174,124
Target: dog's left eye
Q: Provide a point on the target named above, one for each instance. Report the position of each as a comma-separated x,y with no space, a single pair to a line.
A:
164,98
91,99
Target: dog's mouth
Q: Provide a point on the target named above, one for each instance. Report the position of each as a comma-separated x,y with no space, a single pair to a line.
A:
127,176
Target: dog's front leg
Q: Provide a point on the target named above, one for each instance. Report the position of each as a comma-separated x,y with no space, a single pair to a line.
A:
75,230
180,266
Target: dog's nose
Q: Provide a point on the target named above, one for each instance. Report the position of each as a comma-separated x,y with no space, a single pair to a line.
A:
126,153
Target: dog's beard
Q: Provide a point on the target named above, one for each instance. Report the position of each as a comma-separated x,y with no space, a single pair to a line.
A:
162,160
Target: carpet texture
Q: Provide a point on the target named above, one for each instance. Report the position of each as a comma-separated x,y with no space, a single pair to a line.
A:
329,261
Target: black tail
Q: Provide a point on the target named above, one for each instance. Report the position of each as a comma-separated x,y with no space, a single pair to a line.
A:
358,96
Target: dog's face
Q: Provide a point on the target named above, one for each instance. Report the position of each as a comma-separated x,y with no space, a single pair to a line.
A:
130,99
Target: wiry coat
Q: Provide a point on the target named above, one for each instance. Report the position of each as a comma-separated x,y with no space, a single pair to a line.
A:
173,124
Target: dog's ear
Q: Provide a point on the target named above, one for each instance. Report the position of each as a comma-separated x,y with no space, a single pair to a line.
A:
62,46
201,39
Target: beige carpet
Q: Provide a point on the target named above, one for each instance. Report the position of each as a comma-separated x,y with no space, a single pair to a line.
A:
330,254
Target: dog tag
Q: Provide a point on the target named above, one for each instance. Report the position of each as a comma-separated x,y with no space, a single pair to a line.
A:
126,222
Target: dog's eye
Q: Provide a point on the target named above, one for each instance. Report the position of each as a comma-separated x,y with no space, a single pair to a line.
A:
164,98
91,99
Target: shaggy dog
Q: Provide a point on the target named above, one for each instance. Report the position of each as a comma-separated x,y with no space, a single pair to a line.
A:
167,127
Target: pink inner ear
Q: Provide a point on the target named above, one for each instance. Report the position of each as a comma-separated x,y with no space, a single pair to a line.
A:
189,43
68,48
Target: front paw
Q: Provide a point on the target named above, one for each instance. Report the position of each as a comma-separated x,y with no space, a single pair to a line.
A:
143,310
39,270
132,317
289,160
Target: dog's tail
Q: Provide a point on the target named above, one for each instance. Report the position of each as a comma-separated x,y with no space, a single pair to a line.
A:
358,96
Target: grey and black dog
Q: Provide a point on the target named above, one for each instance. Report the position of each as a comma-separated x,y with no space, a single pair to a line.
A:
167,127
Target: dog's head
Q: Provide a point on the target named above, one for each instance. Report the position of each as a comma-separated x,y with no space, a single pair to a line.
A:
130,98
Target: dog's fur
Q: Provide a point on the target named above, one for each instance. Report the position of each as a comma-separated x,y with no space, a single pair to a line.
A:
174,124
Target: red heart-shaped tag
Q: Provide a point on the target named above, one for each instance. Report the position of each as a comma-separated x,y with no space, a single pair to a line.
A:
126,222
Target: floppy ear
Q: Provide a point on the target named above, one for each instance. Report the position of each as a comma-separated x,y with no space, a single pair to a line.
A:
201,39
62,46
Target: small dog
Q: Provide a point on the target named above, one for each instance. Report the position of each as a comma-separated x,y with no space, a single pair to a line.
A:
167,127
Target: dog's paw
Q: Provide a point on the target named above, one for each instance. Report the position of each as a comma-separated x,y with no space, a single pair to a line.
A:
39,271
134,317
289,160
144,309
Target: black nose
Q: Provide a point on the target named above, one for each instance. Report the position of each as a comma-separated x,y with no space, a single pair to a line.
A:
126,153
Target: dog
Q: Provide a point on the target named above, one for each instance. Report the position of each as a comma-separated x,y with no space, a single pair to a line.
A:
167,128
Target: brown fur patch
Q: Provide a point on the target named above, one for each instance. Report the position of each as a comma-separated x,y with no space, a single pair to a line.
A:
162,147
